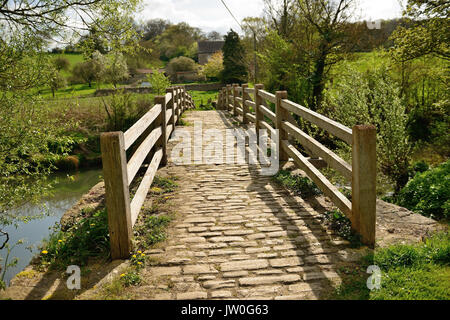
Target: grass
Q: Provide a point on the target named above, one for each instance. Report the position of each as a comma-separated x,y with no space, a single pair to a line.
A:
408,272
201,99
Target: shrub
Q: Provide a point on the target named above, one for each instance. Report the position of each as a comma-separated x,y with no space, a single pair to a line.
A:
181,64
428,193
298,184
377,101
159,82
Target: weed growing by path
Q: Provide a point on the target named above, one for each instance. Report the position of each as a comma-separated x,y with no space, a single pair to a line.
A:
85,239
301,186
338,222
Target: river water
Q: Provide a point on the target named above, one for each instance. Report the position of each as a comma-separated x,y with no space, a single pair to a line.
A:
68,190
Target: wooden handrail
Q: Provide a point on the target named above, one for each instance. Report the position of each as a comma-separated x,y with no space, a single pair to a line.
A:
119,173
362,173
132,134
323,122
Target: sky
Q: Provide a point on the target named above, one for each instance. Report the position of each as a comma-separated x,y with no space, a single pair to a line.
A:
211,15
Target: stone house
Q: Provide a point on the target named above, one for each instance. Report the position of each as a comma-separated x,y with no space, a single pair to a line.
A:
206,49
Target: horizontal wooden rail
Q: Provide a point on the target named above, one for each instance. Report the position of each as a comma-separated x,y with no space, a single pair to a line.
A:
132,134
119,173
319,150
328,189
362,173
323,122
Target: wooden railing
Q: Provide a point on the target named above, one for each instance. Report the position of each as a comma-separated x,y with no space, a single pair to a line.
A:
362,173
148,137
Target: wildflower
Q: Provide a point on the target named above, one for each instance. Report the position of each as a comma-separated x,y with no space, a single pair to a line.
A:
139,263
122,275
44,251
139,252
60,241
134,256
142,255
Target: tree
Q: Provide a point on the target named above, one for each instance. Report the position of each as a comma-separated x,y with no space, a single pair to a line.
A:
61,63
154,28
58,81
214,67
330,22
179,40
234,69
214,36
429,34
92,70
26,126
116,69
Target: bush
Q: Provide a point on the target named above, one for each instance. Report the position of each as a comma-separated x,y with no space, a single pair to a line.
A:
377,101
122,111
298,184
159,82
181,64
428,193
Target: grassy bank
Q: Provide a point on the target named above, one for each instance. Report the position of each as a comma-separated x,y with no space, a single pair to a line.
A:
408,272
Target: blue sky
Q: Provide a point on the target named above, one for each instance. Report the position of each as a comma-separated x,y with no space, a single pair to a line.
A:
211,15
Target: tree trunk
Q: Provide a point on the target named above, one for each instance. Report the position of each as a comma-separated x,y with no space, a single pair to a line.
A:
317,82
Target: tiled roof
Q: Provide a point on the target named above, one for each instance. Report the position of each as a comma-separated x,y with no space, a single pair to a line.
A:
210,46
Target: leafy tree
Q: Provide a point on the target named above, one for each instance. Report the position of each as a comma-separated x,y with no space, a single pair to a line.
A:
234,69
61,63
214,36
116,69
92,70
214,67
159,82
179,40
430,33
57,81
31,140
154,28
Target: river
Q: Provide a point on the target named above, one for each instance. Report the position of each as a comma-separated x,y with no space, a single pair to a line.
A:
68,190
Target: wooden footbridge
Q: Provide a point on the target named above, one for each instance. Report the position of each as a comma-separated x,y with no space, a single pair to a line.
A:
146,145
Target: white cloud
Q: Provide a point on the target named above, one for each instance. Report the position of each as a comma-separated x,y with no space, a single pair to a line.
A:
211,15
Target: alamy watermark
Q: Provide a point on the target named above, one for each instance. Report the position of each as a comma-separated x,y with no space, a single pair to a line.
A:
374,281
74,280
213,146
374,24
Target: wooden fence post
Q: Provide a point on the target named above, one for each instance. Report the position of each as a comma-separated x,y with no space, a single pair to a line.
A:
117,193
280,117
161,122
258,115
229,91
235,95
245,108
364,182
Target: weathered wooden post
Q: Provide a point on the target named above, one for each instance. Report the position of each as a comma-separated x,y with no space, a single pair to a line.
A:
235,95
117,193
280,117
245,108
161,122
258,114
229,92
364,172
